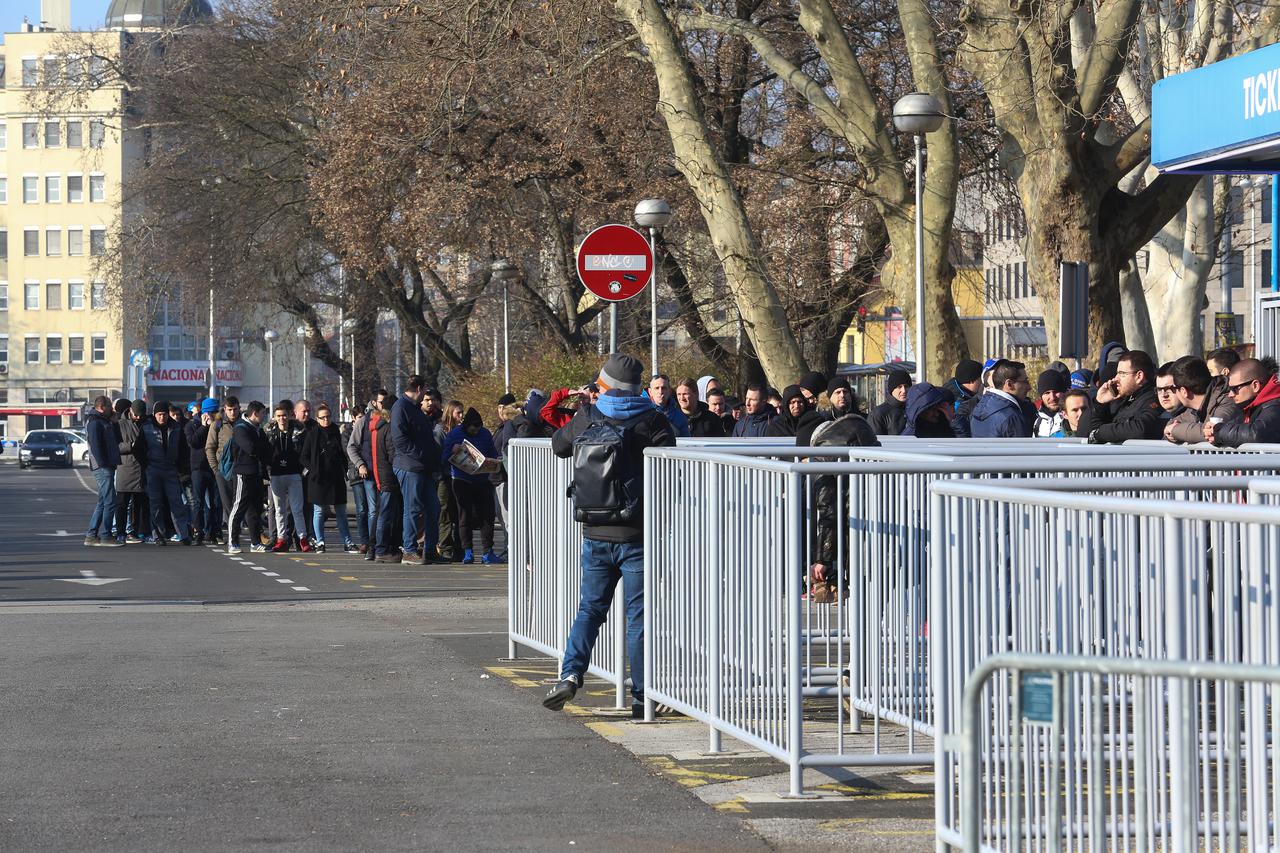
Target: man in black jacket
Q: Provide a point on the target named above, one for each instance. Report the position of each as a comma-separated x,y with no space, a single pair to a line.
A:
206,509
417,467
613,550
1255,390
167,453
1126,407
252,454
104,458
890,417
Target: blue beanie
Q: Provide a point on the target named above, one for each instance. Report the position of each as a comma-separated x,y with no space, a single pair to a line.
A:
209,406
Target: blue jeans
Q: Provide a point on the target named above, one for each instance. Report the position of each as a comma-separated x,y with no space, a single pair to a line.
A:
162,486
418,490
104,511
206,510
389,516
317,522
603,564
362,512
371,501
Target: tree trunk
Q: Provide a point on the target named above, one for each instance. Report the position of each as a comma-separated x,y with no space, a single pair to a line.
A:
1184,291
1138,330
944,337
722,209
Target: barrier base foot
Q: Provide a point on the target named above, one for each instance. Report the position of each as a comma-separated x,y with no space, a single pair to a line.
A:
611,712
801,796
719,753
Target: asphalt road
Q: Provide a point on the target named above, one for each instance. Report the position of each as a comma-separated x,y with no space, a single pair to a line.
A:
199,703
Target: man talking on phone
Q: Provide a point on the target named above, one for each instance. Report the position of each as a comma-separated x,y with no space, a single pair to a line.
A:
1126,407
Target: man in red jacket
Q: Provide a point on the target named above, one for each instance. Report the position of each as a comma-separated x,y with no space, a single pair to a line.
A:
559,409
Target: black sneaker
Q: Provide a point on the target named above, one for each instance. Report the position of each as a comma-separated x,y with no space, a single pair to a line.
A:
92,541
563,691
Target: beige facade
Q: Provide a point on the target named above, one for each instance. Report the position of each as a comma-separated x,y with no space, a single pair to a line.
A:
61,338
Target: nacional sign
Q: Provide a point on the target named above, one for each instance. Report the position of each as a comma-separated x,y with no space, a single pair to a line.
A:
1222,118
187,373
615,262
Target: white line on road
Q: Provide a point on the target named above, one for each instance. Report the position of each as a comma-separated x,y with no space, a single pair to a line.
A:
271,574
283,580
307,589
76,471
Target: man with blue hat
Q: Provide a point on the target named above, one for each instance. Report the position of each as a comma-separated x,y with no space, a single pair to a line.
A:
206,505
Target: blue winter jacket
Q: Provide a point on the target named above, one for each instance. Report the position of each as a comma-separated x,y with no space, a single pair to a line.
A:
104,443
996,416
679,421
482,441
413,437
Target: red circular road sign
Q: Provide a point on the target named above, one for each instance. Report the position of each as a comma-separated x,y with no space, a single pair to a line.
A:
615,262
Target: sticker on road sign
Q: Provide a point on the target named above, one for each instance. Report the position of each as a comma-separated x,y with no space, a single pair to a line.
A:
615,262
1037,697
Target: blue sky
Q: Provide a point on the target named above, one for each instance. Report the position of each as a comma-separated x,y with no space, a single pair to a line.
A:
85,14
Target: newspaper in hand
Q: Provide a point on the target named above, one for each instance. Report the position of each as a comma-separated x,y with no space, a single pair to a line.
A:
466,457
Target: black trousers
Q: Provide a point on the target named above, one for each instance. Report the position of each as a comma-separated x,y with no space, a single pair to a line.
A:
133,514
475,511
247,507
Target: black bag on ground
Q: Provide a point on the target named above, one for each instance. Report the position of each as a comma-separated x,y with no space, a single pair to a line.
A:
606,487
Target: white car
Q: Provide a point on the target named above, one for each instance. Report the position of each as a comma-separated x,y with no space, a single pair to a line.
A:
79,443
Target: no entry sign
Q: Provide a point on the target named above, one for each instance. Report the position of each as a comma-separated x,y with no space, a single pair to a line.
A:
615,263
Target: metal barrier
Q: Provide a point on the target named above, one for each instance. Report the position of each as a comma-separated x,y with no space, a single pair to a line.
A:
1102,575
1164,754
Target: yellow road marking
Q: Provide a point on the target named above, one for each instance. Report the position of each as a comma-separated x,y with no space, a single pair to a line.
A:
367,586
868,825
509,675
604,729
310,564
329,571
872,793
348,578
734,805
686,776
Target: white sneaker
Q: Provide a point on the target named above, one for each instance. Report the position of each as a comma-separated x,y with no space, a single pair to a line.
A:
233,549
257,548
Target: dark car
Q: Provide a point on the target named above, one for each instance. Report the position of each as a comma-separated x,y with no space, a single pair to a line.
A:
46,447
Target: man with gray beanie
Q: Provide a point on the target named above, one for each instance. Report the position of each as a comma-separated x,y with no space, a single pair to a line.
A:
607,441
1051,387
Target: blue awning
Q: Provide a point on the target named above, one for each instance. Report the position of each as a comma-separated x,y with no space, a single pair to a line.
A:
1223,118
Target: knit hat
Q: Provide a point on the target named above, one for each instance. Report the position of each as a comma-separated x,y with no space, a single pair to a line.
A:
836,383
1052,380
790,393
813,382
506,399
192,406
472,418
1081,378
967,371
139,408
1060,367
209,406
621,373
160,406
896,379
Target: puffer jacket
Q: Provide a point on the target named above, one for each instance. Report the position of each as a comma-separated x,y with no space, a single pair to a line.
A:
998,416
847,431
166,447
130,476
220,433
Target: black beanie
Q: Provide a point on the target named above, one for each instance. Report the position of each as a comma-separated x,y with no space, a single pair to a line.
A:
139,408
968,371
838,383
160,406
506,399
1053,380
813,382
897,378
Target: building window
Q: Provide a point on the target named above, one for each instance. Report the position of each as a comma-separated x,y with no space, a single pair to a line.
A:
98,296
53,189
75,295
4,296
53,242
97,188
31,295
1264,274
30,72
53,349
4,350
75,188
97,133
30,189
97,70
52,134
75,134
4,244
30,243
53,296
4,136
75,242
75,349
30,134
75,70
1233,275
32,355
99,344
4,190
52,71
97,242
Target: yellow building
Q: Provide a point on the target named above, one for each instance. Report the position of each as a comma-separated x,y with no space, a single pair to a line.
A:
61,339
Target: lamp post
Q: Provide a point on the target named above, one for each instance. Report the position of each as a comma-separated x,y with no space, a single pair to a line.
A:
301,332
213,375
653,213
919,113
270,337
505,271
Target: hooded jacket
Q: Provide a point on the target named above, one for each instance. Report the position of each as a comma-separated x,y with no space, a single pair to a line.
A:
1261,423
252,451
104,444
921,398
482,441
998,415
754,426
197,436
1048,424
961,393
384,455
286,449
1137,416
166,447
652,431
784,425
130,476
221,432
1188,426
325,459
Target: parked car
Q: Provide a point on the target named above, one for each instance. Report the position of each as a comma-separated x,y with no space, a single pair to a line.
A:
78,439
46,447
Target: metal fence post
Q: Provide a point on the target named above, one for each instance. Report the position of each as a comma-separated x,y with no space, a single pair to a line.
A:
938,562
794,567
650,464
1181,783
714,600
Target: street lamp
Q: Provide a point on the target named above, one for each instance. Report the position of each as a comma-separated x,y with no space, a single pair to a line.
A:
653,213
270,336
301,332
505,271
919,113
213,376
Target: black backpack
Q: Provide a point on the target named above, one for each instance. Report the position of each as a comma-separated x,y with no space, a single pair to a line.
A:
607,486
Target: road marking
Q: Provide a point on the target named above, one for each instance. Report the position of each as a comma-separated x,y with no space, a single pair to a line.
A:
90,578
283,580
330,571
76,471
271,574
302,589
348,578
367,586
59,534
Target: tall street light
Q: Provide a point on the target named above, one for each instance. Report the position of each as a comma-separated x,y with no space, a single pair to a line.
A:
505,271
270,336
301,332
919,113
653,213
210,184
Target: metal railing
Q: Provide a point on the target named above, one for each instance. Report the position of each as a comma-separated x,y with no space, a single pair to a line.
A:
1070,751
1100,575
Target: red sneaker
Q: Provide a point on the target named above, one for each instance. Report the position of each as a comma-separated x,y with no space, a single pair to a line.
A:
303,545
280,547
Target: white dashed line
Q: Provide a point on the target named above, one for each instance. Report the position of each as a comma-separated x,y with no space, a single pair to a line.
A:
271,574
302,589
283,580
